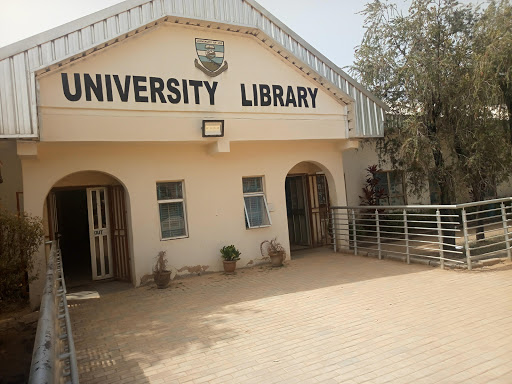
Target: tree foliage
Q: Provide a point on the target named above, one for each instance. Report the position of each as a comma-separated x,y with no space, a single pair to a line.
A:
493,43
428,66
20,238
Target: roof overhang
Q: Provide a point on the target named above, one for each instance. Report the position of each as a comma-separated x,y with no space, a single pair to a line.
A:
52,49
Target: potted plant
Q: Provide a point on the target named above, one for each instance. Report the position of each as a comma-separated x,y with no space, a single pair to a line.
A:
161,274
275,251
230,255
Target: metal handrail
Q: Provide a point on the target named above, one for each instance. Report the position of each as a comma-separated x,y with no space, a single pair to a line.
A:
54,356
467,232
421,207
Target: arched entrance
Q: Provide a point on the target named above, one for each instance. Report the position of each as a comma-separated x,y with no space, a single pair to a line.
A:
307,206
87,212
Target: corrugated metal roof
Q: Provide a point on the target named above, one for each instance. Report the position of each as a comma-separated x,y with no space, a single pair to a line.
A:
20,62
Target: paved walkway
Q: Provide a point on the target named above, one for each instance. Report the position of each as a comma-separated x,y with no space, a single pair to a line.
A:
323,318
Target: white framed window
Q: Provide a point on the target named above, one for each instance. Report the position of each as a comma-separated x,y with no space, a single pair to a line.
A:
255,203
172,211
392,182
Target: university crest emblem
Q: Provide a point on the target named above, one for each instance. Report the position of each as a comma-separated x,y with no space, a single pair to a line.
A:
211,57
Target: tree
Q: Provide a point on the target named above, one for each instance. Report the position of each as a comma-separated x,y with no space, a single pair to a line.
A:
424,65
20,238
493,45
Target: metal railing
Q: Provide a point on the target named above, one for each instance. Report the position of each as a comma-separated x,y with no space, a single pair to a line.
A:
54,357
459,234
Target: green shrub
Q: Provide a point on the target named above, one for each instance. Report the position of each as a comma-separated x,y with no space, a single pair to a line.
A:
20,238
230,253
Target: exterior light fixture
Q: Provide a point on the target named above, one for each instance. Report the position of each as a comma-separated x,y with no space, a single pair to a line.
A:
213,128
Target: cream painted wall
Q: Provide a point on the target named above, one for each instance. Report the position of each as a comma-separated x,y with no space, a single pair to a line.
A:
505,189
85,179
305,167
168,51
11,173
355,163
213,191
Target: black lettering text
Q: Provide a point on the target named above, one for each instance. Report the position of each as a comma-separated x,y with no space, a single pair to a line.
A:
65,87
211,91
196,84
302,96
138,88
265,99
108,88
89,86
255,94
185,91
245,102
290,97
123,93
277,90
156,86
313,96
171,86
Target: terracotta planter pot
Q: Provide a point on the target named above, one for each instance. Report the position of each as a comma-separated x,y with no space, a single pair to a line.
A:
162,279
277,258
229,266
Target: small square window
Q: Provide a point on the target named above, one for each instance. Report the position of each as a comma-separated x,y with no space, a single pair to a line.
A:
171,207
255,203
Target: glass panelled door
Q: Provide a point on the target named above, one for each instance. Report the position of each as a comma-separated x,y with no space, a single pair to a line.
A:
99,233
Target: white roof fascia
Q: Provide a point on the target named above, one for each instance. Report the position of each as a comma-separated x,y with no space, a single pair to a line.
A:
64,29
303,42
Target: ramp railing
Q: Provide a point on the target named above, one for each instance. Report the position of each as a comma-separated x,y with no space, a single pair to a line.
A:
458,234
54,357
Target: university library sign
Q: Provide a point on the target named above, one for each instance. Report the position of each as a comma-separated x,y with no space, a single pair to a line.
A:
144,89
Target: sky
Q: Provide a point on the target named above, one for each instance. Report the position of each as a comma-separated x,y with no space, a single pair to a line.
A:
333,27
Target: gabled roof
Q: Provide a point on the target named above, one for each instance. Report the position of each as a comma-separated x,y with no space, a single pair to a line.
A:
19,62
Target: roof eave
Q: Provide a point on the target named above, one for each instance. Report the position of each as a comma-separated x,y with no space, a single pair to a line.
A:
299,39
69,27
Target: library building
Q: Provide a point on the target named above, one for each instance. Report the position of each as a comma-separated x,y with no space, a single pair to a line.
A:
150,126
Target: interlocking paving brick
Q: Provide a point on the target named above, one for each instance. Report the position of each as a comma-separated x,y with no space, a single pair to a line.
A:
323,318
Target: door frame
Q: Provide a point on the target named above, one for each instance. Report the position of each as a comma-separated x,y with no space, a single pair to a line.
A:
124,206
310,193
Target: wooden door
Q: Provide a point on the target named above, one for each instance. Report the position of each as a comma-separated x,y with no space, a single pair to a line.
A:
53,224
119,233
297,210
318,209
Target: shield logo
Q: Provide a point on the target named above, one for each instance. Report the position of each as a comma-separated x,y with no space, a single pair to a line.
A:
211,56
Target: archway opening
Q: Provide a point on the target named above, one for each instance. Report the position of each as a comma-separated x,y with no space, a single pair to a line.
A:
307,206
87,213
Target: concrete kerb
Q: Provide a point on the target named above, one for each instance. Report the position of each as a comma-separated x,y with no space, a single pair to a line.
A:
436,263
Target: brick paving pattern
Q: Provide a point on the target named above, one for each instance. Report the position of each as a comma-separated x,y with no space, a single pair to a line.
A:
323,318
